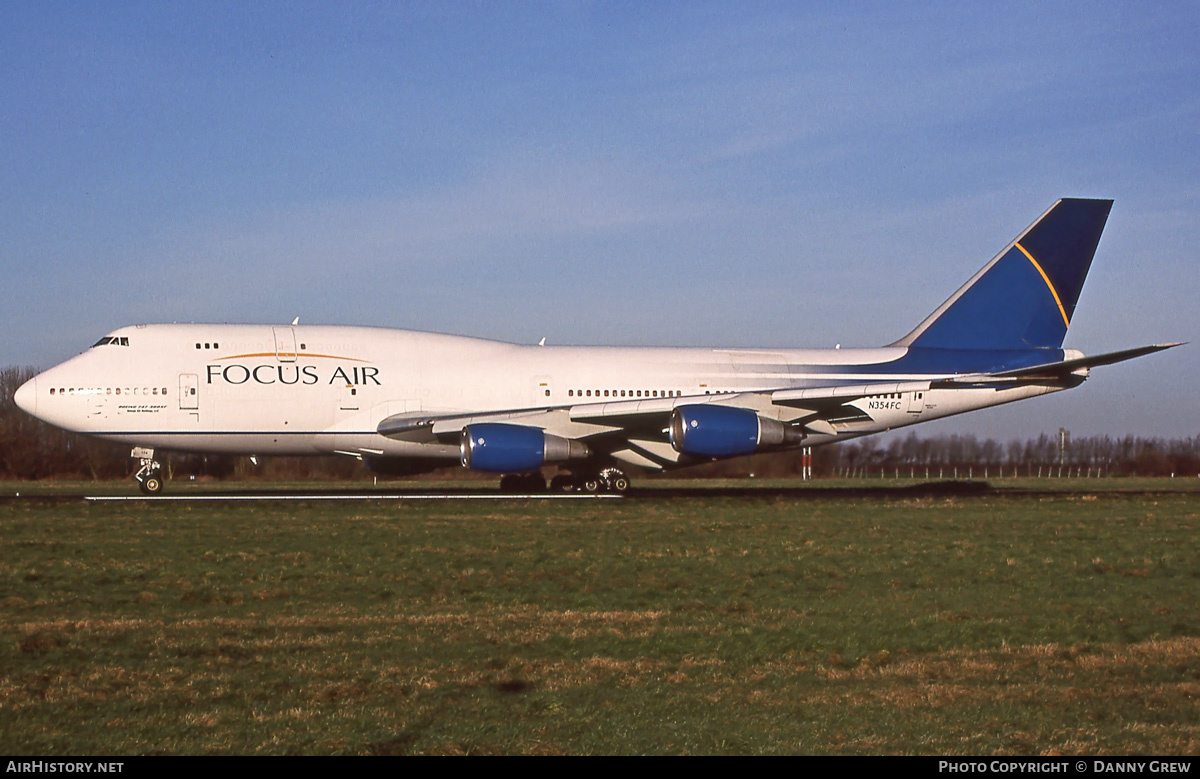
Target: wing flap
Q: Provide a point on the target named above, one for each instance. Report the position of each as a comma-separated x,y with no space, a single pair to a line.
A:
823,398
428,427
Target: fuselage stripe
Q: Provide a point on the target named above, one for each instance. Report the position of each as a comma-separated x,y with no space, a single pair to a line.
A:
1046,279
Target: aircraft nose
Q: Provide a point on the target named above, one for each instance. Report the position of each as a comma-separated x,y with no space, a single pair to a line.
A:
26,397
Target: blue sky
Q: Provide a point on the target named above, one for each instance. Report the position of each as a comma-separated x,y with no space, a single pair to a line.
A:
737,174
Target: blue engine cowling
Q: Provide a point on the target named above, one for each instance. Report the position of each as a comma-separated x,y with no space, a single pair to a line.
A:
502,448
725,431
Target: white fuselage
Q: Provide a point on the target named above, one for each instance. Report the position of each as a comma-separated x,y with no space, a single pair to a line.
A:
314,390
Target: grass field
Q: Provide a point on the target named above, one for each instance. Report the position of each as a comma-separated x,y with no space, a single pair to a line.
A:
999,624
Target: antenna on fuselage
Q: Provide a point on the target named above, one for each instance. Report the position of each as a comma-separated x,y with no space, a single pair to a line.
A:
296,321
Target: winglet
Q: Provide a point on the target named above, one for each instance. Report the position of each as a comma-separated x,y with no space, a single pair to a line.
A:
1025,297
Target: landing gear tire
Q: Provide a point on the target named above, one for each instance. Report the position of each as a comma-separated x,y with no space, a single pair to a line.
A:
151,484
591,482
614,480
516,483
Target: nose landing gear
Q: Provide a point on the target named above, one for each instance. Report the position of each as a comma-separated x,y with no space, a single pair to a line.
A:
149,475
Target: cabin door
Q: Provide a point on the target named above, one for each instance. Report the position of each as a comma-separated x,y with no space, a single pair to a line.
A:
189,391
285,344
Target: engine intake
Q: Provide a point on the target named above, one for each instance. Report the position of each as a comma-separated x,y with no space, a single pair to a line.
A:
725,431
502,448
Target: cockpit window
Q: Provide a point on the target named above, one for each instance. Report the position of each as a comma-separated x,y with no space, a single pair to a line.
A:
112,340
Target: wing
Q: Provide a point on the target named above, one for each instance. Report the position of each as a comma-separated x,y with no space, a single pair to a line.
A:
638,430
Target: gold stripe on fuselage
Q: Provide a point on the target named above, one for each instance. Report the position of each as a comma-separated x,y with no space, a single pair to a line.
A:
294,355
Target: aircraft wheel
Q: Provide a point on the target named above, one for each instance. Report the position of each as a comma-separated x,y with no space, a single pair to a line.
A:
151,484
614,480
590,484
510,482
562,483
533,482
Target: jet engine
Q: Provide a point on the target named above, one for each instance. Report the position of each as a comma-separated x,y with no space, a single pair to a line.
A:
504,448
724,431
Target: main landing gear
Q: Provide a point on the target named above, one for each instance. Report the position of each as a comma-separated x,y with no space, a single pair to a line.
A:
589,481
522,483
149,475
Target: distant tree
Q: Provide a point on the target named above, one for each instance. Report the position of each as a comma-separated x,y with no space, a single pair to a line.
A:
31,449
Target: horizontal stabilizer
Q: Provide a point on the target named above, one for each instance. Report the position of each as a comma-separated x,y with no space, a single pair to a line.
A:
1058,370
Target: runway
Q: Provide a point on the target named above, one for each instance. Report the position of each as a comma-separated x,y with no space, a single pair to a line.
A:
358,497
647,491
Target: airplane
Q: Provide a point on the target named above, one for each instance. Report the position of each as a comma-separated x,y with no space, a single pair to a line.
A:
407,401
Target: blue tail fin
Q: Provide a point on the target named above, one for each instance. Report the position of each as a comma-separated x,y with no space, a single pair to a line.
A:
1025,297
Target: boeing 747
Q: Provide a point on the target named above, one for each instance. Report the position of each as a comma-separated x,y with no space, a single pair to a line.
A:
408,401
